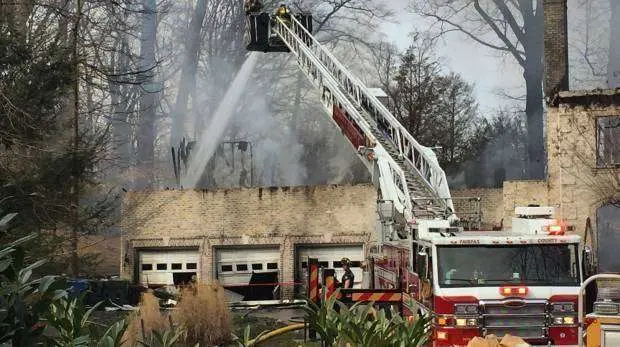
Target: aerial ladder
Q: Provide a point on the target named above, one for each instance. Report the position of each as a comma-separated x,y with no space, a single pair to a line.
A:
407,174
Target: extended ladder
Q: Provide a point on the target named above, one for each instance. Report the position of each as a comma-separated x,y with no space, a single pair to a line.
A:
408,173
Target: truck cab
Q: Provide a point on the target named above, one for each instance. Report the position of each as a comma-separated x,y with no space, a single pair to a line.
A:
523,282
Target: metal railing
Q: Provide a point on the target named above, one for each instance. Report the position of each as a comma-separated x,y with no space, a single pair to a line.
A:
393,181
580,300
420,159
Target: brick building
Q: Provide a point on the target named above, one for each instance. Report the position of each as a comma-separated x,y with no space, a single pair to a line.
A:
583,164
227,234
583,153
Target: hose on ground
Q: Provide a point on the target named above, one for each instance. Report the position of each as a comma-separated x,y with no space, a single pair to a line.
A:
274,333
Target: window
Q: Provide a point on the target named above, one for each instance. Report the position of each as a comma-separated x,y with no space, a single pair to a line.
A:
531,265
257,266
356,264
147,267
304,265
176,266
190,266
242,267
608,141
272,266
324,264
226,268
337,264
162,266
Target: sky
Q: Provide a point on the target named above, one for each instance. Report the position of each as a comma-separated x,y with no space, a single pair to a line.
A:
480,66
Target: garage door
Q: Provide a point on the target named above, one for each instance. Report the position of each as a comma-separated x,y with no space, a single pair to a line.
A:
329,258
234,266
167,267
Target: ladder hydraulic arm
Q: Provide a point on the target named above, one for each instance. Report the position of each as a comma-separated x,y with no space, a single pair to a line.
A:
407,173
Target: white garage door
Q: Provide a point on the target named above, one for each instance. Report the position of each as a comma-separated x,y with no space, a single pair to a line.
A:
329,258
234,266
164,267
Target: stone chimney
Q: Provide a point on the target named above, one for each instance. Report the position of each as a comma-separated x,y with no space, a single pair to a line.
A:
556,47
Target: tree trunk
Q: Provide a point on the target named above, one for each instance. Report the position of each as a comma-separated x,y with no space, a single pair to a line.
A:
119,95
533,72
148,99
188,72
534,114
76,131
613,65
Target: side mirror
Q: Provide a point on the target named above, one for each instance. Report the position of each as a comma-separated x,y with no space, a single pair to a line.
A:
422,264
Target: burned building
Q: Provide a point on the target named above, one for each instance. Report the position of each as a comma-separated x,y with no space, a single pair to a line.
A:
231,235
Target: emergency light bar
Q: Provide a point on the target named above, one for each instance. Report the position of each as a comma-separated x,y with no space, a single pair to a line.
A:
513,291
555,229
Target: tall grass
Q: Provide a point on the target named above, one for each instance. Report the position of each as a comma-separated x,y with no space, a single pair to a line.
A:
203,313
147,319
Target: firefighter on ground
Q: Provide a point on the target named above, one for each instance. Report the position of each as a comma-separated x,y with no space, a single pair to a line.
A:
348,277
284,14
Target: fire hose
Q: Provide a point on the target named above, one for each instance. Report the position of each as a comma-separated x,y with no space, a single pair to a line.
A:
274,333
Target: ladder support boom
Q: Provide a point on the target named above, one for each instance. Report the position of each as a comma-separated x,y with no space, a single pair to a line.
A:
409,173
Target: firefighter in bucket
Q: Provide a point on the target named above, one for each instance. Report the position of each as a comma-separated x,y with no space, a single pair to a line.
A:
252,6
283,13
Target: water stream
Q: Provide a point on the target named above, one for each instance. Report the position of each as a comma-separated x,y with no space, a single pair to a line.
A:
213,132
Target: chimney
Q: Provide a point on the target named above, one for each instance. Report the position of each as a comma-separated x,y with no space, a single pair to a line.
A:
556,47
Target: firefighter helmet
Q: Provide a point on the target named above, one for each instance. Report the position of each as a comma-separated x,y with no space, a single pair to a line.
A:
346,261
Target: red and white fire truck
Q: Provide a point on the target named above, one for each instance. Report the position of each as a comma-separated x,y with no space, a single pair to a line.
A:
523,281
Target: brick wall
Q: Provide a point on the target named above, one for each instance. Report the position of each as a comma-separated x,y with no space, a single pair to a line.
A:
522,193
244,217
555,46
490,205
577,187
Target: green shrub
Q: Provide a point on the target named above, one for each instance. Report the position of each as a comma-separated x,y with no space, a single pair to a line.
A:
24,300
361,325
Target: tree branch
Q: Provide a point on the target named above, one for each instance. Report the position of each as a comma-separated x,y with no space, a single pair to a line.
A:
509,46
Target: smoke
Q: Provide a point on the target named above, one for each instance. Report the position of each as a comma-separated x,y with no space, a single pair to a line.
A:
212,133
274,152
290,143
278,150
498,152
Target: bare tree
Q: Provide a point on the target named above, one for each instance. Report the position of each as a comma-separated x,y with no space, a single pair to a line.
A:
513,27
148,96
613,67
67,159
589,44
187,83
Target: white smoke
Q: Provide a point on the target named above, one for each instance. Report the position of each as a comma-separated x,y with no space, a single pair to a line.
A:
288,145
278,151
214,130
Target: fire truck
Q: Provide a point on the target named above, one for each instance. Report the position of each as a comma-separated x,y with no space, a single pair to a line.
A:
523,281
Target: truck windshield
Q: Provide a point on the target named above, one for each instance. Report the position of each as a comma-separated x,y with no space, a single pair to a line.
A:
494,265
